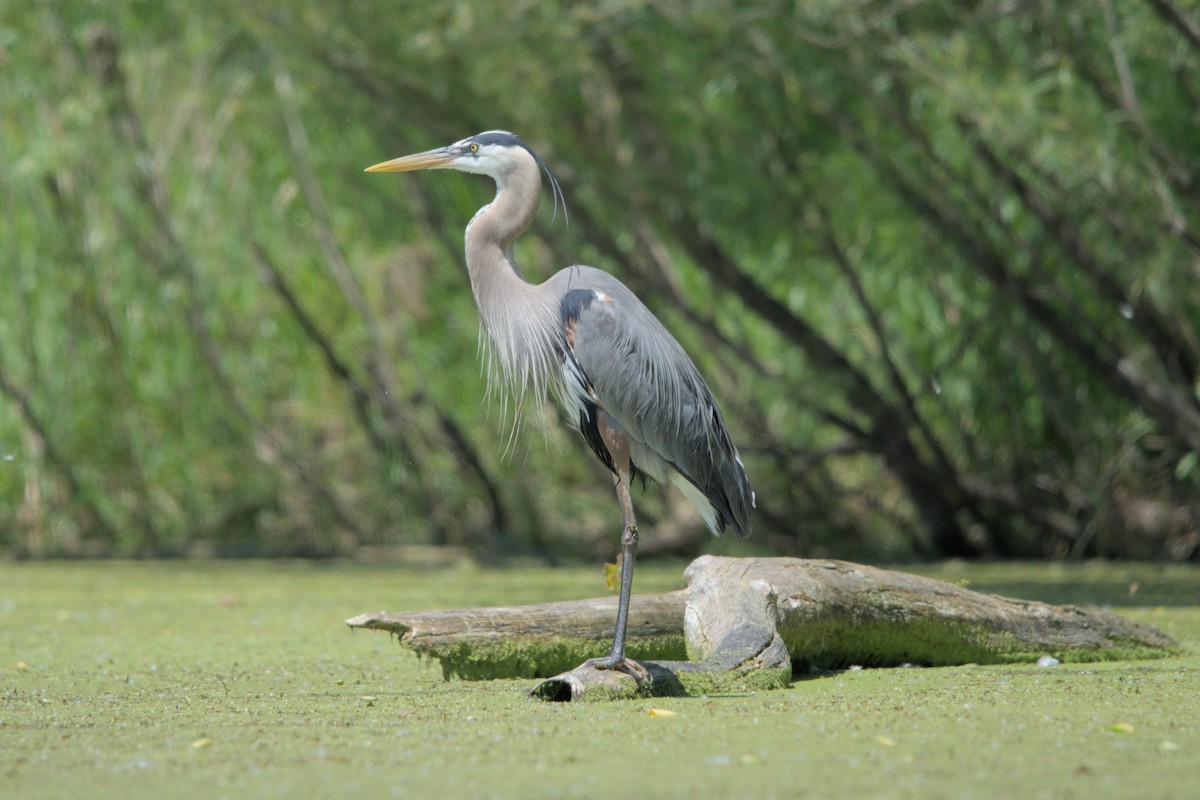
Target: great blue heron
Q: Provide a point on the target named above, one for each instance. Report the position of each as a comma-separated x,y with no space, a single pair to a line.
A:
637,398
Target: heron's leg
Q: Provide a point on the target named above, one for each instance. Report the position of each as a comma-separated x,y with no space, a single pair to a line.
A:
629,543
618,448
629,538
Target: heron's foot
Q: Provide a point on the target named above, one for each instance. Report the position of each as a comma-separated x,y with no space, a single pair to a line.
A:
621,664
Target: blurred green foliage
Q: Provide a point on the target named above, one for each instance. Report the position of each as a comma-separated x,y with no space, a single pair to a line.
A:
938,261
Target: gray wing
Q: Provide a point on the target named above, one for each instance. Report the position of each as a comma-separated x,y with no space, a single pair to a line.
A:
633,370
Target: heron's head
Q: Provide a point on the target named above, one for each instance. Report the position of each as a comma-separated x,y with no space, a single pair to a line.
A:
497,154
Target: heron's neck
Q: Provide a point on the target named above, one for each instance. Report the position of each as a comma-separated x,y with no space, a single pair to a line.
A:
520,318
492,231
496,281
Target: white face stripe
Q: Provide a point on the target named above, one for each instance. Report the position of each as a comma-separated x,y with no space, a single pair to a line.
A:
494,155
493,159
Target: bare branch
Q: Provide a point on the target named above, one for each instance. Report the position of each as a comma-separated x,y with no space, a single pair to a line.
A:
1175,16
1171,350
50,453
171,256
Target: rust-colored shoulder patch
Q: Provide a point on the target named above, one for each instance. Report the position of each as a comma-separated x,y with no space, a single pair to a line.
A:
571,306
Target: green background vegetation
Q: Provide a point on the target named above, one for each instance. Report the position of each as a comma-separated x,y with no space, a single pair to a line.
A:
238,679
939,262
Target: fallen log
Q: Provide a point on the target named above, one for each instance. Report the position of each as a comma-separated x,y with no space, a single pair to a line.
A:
747,623
534,641
834,614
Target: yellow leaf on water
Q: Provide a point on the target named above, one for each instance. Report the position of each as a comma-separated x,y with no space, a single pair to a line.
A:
886,741
199,743
661,712
1121,727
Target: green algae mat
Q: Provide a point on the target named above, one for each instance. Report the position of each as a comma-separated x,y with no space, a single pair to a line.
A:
239,680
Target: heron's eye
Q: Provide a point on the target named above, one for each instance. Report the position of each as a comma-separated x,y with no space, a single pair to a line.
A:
474,147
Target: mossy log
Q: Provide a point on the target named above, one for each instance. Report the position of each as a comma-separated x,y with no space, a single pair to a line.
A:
534,641
746,623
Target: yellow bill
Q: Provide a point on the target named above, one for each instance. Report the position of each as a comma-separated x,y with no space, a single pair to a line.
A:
430,159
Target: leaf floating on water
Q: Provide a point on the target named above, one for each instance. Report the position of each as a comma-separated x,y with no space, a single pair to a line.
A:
886,741
661,712
201,743
1121,727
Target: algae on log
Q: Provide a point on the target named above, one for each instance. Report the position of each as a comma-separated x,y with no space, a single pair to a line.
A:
534,641
747,622
834,614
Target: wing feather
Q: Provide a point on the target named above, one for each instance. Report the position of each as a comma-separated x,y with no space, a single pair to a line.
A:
640,376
